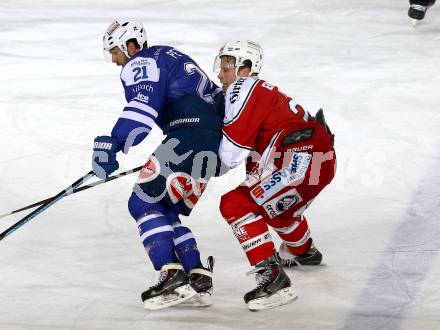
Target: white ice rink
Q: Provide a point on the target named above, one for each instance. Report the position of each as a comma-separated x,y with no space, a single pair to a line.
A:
80,264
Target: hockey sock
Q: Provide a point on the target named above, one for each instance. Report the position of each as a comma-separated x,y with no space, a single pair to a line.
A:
253,234
186,248
157,237
294,232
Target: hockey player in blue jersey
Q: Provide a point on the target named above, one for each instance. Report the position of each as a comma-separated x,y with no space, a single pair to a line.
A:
164,87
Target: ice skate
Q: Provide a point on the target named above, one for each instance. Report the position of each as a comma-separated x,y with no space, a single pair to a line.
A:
311,258
200,280
273,287
173,288
417,12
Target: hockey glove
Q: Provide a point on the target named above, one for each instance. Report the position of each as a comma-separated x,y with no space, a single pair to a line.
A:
104,156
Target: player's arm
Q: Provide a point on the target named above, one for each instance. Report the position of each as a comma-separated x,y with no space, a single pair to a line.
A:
143,91
241,123
134,123
232,154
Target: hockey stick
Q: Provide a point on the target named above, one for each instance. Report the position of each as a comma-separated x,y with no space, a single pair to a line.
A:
133,170
45,206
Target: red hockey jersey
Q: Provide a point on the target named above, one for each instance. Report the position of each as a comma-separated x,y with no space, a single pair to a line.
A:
256,112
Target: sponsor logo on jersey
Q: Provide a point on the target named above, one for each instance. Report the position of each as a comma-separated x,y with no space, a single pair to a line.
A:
287,201
141,61
251,244
179,185
241,234
182,186
294,163
281,203
259,241
270,211
302,148
143,97
296,170
143,87
268,86
150,171
184,121
236,90
102,145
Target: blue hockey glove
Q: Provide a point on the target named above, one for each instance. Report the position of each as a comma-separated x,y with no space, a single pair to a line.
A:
104,156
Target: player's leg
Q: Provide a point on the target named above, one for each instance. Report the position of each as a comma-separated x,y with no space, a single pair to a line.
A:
157,235
251,231
157,220
178,192
199,276
297,245
274,286
155,229
284,210
418,8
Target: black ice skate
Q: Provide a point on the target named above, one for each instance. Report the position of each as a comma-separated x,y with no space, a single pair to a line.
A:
417,12
418,8
173,288
200,280
311,258
273,286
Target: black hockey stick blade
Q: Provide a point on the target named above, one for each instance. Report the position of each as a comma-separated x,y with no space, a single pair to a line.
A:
45,206
97,183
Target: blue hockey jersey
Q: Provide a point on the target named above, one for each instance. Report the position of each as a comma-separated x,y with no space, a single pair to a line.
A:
152,79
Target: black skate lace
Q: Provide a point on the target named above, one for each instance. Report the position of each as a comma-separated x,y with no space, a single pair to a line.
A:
162,278
418,7
289,262
262,278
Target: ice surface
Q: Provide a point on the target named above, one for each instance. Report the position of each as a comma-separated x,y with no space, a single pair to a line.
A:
80,264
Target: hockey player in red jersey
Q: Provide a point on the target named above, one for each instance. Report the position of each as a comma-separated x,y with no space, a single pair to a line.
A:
289,160
418,8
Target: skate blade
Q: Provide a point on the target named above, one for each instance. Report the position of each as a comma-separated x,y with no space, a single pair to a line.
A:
282,297
180,295
199,300
414,22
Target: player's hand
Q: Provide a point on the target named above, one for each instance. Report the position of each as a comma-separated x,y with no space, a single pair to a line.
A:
104,156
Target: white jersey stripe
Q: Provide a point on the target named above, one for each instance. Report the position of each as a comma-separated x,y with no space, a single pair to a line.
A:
142,106
235,143
256,241
150,216
155,231
245,220
299,242
148,121
231,154
183,238
289,229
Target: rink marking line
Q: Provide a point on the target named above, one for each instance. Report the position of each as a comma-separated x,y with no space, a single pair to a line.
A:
395,284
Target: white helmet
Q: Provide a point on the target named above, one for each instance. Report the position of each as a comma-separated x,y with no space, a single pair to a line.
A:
118,34
241,50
